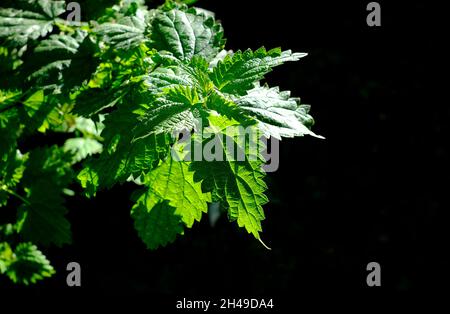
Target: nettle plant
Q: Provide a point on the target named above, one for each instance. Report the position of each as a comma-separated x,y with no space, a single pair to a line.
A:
120,90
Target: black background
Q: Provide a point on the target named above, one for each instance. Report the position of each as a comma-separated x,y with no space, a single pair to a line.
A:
372,191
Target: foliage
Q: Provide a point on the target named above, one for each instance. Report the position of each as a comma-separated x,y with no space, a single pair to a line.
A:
121,89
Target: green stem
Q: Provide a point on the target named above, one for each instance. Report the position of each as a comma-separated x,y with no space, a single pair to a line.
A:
5,188
7,107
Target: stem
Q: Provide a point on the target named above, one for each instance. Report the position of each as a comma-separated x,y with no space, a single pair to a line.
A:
5,188
7,107
259,239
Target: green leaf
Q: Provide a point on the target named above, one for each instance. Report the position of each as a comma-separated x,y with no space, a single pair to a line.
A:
171,112
171,72
171,182
42,112
62,60
89,178
94,100
167,77
8,98
114,83
157,227
11,172
10,130
19,26
126,33
177,94
121,158
237,184
237,73
50,8
225,106
26,265
6,256
277,113
9,133
82,147
42,216
186,34
88,127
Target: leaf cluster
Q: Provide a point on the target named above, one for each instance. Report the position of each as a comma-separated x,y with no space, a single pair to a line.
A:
121,89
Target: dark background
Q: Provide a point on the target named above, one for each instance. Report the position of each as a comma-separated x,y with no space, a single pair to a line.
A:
372,191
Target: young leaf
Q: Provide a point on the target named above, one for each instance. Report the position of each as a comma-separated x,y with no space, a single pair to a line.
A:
25,265
237,73
126,33
156,227
82,147
277,113
173,181
171,188
186,34
169,113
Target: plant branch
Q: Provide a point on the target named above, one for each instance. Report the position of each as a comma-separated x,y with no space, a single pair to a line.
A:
7,190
